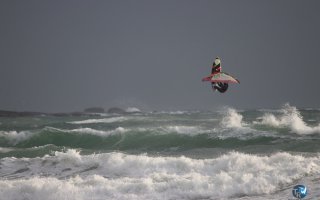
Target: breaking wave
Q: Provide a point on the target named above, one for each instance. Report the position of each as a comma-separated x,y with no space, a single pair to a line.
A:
104,120
123,176
90,131
284,129
132,110
232,119
291,118
14,137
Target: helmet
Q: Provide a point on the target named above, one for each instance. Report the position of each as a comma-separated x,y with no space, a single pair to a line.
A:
217,61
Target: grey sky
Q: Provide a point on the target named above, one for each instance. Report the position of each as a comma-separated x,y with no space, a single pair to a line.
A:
68,55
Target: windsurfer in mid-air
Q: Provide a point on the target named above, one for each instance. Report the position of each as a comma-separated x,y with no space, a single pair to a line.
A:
216,68
219,80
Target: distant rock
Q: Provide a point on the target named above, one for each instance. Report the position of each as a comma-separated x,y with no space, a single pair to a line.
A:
5,113
116,110
74,114
94,110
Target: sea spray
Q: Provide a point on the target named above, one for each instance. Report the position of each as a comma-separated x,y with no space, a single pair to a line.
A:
14,137
232,119
289,117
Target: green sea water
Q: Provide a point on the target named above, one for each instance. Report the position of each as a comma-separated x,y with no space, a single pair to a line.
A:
242,154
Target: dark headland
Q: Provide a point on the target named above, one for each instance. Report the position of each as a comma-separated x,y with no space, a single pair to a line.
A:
85,112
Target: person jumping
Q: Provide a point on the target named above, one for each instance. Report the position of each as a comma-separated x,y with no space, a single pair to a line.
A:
216,68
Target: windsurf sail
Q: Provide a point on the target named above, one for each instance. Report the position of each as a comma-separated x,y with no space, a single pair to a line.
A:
221,77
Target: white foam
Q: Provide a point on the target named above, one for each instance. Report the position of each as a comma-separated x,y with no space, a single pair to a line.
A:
116,131
291,118
91,131
132,110
232,125
221,133
232,119
104,120
178,129
121,176
160,130
15,137
270,119
178,112
211,132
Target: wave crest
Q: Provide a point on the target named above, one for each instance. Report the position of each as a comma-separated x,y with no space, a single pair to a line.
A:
289,117
90,131
15,137
104,120
232,119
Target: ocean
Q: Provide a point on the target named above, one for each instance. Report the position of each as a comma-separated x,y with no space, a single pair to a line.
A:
225,154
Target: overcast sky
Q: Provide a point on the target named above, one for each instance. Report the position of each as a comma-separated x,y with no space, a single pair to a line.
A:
67,55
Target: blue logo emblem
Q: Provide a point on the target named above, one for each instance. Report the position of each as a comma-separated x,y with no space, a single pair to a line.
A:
299,191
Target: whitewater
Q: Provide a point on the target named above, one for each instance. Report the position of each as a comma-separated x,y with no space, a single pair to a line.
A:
225,154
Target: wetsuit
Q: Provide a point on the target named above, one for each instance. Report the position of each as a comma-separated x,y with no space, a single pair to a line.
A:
216,68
